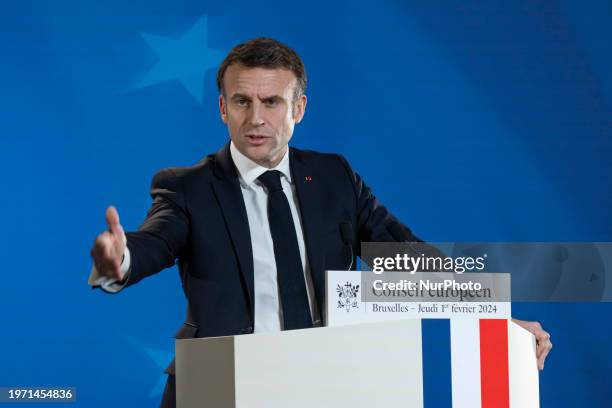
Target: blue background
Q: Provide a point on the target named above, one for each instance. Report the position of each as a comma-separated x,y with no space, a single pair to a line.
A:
485,121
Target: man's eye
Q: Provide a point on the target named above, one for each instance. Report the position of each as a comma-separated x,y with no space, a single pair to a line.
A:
242,102
271,103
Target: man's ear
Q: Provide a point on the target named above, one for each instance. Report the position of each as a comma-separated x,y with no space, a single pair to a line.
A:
223,109
299,109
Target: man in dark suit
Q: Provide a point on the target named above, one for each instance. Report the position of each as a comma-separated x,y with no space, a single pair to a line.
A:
254,226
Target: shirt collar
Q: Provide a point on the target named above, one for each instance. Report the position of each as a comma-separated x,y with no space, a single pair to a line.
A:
248,170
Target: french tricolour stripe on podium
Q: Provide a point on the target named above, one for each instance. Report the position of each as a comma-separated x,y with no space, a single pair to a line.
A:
469,363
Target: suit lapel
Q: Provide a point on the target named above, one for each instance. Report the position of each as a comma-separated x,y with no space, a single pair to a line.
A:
231,202
311,210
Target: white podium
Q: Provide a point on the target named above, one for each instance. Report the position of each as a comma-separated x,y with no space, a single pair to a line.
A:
365,365
370,365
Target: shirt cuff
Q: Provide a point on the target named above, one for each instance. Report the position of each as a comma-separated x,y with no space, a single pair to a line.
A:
111,285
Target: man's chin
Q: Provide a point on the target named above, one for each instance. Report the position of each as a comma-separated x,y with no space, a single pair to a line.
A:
258,154
263,155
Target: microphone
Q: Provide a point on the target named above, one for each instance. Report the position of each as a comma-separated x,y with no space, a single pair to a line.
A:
346,233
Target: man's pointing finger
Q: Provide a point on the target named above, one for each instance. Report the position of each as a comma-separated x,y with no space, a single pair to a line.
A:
112,219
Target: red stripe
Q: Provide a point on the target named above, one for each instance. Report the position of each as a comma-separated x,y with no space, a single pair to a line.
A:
494,382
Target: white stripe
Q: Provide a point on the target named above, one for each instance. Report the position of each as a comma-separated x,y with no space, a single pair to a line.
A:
465,362
523,368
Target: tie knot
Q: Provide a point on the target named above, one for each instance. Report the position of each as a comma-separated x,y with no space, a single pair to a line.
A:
271,179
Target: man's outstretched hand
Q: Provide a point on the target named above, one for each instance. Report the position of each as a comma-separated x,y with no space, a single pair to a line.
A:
543,343
109,246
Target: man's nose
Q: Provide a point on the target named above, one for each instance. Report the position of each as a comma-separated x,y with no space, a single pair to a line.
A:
257,115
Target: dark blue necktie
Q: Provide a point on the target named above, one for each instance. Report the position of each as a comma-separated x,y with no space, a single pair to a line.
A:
290,273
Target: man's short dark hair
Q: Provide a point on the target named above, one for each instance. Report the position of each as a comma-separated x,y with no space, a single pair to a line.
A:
265,53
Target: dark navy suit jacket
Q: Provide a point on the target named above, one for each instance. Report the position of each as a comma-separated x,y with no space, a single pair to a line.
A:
198,220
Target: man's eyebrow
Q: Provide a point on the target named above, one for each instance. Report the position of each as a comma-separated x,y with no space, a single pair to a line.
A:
240,96
273,98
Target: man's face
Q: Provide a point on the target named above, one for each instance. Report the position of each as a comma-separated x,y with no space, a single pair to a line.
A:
260,112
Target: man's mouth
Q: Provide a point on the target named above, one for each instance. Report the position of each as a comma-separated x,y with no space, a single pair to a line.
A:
256,139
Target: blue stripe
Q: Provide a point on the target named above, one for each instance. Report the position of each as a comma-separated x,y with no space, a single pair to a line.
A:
436,363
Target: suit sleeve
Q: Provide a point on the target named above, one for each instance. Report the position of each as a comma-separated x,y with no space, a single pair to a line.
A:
373,218
163,235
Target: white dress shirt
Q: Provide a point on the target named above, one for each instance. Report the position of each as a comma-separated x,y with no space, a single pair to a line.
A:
268,313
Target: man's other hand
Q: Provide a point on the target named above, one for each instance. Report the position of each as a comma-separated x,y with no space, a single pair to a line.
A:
109,246
543,343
